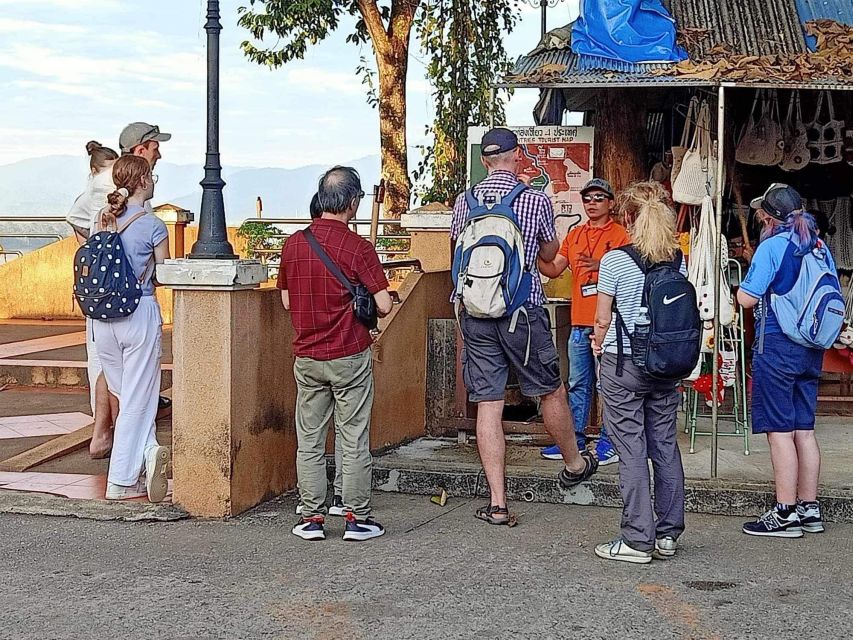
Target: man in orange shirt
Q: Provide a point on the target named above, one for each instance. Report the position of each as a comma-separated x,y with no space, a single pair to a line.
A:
581,252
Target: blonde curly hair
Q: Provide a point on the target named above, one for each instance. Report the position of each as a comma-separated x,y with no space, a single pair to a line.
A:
647,210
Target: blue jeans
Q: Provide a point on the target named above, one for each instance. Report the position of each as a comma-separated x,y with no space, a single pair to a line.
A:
582,380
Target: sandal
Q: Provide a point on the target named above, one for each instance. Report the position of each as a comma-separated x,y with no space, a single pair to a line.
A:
567,479
489,511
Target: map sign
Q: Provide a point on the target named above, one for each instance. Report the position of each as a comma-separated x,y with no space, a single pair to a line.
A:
557,160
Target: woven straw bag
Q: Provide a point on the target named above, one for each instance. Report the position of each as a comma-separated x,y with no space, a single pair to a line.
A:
826,140
796,152
689,125
761,141
701,267
697,177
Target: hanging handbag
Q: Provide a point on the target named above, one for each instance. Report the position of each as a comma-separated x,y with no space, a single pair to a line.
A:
689,125
825,140
761,141
795,154
697,177
701,268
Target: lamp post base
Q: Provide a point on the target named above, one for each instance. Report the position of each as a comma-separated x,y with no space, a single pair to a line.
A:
211,274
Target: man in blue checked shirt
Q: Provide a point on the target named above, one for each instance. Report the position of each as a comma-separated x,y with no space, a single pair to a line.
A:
491,345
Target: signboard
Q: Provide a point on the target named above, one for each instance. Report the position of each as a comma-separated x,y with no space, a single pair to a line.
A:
557,160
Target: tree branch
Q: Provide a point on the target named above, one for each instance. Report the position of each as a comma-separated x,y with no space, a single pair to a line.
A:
375,27
400,24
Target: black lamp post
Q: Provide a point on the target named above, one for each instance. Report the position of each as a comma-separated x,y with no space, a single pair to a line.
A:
212,234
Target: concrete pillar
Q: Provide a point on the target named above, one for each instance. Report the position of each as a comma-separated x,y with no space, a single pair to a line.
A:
233,395
176,220
429,229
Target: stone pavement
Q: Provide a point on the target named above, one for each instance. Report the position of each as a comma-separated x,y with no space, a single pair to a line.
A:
438,573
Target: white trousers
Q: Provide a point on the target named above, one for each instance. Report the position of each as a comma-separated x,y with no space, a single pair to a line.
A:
93,362
129,350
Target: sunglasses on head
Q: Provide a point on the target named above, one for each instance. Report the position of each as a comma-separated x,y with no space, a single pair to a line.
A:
595,197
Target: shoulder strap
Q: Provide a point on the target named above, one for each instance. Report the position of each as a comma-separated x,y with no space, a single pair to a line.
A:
326,260
133,218
517,190
471,199
632,253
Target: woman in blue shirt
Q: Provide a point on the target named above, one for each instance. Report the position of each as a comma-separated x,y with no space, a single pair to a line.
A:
785,374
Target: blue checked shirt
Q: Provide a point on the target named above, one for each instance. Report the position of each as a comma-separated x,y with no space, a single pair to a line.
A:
535,215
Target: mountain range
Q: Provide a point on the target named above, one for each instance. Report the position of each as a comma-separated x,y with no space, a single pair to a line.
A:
47,186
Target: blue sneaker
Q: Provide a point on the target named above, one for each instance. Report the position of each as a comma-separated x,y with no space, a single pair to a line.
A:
362,529
605,453
310,528
551,453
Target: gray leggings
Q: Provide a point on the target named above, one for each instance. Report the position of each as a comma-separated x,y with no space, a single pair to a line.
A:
641,414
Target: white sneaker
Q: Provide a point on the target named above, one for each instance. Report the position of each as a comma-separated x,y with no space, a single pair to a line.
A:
619,550
361,530
156,481
665,547
120,492
299,509
338,508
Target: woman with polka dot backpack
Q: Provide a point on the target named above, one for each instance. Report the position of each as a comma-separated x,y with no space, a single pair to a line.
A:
114,285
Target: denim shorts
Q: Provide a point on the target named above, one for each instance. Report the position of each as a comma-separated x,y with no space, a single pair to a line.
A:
784,385
489,349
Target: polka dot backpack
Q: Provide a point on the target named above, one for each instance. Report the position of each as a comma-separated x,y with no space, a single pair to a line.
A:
105,284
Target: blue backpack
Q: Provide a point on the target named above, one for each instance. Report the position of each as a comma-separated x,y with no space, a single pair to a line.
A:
812,312
105,285
489,270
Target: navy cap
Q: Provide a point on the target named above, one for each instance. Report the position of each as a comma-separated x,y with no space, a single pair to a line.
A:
498,140
779,201
598,184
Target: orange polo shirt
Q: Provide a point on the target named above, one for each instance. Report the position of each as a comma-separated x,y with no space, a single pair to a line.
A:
593,242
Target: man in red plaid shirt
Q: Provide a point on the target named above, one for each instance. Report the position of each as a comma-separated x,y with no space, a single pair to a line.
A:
492,345
334,366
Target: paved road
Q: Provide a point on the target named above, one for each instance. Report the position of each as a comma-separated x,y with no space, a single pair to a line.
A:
438,573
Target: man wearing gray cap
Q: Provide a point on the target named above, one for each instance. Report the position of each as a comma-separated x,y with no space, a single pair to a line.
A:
142,139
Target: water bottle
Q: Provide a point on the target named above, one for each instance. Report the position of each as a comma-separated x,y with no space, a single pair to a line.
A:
640,339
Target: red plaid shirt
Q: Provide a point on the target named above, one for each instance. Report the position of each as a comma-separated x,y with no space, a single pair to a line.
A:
320,306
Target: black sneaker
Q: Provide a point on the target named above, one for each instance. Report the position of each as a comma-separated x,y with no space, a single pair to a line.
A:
567,479
773,524
809,514
337,508
362,529
310,528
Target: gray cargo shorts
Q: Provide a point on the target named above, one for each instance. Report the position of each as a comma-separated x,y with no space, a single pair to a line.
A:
489,349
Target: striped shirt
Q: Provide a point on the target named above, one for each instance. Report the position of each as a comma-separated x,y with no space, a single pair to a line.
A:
620,277
535,215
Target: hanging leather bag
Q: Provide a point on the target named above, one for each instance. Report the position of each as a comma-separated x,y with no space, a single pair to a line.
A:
689,125
761,142
826,140
697,177
796,150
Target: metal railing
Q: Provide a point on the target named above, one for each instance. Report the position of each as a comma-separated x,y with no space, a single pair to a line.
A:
35,235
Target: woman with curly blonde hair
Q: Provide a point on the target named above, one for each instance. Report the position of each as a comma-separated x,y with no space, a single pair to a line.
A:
639,410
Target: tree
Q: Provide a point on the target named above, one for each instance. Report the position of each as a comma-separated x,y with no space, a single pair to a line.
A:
463,40
298,23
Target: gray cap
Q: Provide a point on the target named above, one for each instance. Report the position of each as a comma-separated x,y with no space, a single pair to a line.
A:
598,184
137,133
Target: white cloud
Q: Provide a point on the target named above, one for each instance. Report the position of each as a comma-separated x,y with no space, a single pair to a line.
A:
318,80
12,25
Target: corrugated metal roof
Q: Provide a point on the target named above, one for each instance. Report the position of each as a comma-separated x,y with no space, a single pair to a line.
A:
838,10
749,27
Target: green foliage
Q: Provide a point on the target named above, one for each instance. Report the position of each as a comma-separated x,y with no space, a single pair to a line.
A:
259,235
294,25
463,41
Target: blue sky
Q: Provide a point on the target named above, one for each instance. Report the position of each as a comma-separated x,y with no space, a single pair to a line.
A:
75,70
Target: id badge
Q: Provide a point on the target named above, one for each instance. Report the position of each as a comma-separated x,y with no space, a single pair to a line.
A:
588,290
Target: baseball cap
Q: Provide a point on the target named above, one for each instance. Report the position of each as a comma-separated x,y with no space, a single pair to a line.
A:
779,201
599,184
498,140
136,133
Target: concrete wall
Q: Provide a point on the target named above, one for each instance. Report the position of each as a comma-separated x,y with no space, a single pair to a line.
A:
234,394
39,284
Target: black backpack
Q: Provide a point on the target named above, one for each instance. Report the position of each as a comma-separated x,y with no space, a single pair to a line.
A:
668,347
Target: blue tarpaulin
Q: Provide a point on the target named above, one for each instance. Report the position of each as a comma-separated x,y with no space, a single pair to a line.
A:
620,34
